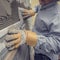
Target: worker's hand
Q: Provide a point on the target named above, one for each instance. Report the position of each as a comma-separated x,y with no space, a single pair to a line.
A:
28,12
14,39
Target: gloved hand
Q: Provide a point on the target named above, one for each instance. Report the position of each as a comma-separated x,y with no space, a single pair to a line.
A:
15,38
26,12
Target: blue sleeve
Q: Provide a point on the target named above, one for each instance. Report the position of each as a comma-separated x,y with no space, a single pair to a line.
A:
36,8
51,43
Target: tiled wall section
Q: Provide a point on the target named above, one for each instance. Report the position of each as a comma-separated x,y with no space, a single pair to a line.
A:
33,3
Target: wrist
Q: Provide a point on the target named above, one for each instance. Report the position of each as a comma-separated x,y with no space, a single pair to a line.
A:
23,37
31,38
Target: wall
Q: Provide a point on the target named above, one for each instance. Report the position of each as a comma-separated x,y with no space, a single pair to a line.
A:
33,4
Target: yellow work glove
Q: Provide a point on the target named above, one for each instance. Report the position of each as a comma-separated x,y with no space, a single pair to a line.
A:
28,12
15,38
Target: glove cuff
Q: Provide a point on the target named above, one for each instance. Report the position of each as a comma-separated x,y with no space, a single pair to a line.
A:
31,38
23,37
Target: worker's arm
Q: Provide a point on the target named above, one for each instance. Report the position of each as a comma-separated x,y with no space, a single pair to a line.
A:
50,43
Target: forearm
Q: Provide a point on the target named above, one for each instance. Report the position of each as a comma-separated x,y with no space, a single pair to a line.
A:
49,44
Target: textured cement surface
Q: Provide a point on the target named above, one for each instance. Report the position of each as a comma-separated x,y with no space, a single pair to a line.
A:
6,20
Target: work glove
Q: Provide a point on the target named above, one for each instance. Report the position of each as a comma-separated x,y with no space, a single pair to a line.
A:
15,38
27,13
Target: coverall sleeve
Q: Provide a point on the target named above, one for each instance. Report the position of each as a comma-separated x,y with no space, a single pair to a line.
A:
51,43
36,8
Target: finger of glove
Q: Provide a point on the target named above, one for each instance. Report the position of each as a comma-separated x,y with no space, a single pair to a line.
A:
12,43
24,11
13,31
12,37
25,14
17,45
26,17
14,47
